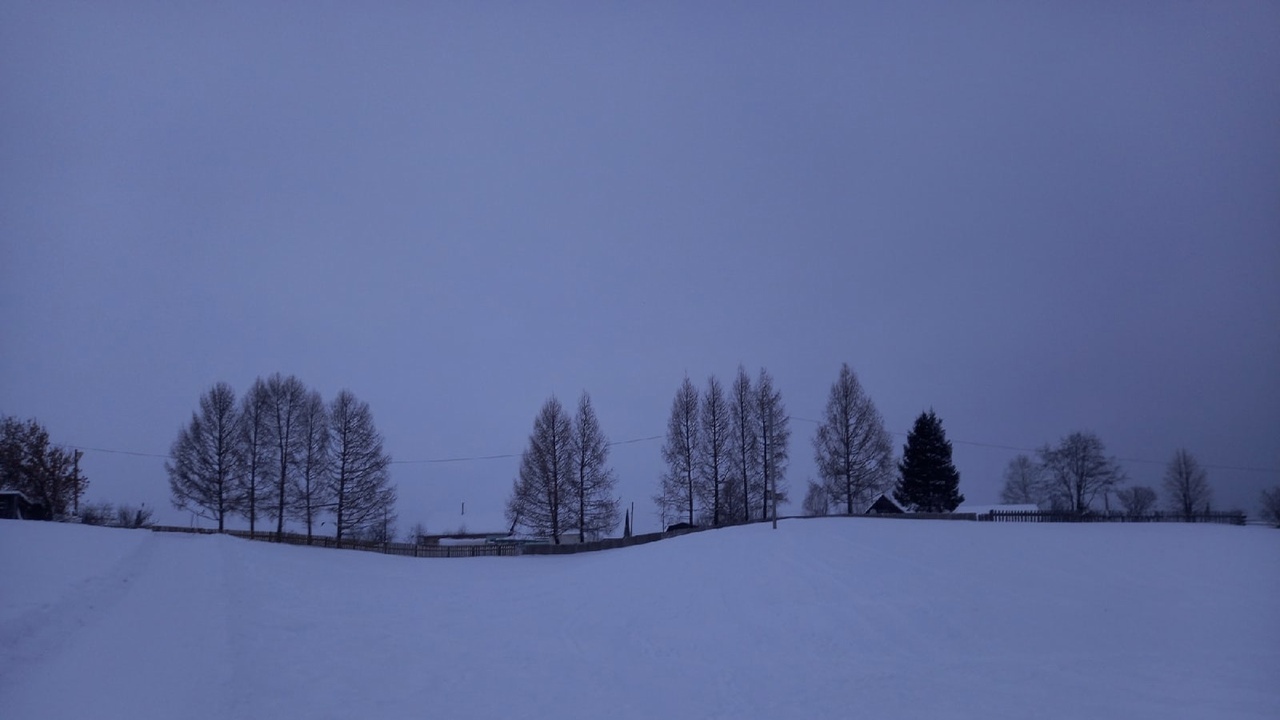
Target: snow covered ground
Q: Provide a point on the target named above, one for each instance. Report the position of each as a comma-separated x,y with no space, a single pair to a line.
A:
831,618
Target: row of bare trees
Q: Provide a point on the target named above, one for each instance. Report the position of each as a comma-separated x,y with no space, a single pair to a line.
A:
281,453
1075,474
566,486
726,455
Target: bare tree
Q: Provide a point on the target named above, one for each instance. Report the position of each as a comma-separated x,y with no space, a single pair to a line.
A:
593,479
1271,506
541,499
744,446
851,448
1078,470
205,458
255,452
817,501
363,497
680,452
285,399
310,489
415,532
382,529
1137,500
775,439
713,451
1186,485
128,516
1023,482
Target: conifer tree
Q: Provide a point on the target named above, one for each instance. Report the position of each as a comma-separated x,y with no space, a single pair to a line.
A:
929,481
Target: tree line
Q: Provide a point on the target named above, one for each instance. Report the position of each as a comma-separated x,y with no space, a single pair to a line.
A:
726,455
1076,474
281,452
565,485
46,474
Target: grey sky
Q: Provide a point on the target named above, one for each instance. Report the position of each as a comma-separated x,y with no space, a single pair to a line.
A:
1033,218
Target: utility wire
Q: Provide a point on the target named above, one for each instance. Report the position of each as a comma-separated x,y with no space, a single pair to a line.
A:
510,455
1144,461
650,438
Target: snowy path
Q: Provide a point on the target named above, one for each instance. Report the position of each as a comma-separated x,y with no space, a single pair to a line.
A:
821,619
147,638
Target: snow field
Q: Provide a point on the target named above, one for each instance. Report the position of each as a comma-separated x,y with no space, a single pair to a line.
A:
829,618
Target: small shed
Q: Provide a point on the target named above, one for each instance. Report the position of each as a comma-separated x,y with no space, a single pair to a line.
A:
884,506
15,506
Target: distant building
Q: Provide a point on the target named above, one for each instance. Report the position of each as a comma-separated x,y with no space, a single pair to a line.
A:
988,509
461,538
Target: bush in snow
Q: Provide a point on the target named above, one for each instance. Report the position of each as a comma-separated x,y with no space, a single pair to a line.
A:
1271,506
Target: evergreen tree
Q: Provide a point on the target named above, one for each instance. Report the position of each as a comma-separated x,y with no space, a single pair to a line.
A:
929,481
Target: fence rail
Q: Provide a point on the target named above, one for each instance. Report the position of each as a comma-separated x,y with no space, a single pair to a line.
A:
1220,518
512,550
324,541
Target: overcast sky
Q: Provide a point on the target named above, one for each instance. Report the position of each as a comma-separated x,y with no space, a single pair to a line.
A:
1034,218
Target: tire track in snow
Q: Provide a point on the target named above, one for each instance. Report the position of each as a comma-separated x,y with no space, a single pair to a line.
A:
146,641
42,634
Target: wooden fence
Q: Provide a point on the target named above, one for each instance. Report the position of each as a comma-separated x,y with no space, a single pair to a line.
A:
439,551
1221,518
512,549
324,541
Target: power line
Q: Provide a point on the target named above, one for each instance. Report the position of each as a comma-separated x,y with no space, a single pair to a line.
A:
1012,448
505,456
113,452
650,438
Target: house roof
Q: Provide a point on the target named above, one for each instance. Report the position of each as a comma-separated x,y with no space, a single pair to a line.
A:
885,498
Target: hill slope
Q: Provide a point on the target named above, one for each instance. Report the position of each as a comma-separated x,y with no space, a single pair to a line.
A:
824,618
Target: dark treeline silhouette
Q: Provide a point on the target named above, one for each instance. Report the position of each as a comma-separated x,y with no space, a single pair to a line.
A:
281,452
